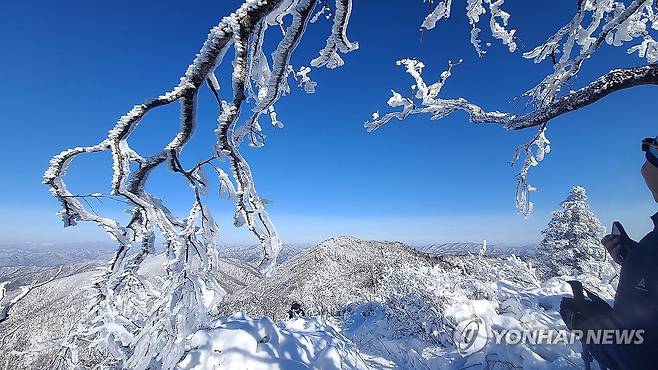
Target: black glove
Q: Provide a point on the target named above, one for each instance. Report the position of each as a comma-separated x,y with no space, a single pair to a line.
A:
571,309
570,313
584,314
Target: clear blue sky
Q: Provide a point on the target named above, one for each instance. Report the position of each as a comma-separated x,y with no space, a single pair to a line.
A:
69,69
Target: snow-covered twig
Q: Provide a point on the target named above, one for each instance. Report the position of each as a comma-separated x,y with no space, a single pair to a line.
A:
474,10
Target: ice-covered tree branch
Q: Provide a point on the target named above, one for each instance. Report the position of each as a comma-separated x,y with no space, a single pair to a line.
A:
594,24
613,81
475,9
141,332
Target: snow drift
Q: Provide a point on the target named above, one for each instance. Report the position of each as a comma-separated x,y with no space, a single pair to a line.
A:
241,342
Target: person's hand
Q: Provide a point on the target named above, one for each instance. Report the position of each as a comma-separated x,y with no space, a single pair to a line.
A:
613,245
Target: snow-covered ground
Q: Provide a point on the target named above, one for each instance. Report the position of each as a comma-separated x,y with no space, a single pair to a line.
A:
368,305
407,333
240,342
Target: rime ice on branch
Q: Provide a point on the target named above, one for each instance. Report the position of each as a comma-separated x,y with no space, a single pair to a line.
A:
595,23
142,333
474,10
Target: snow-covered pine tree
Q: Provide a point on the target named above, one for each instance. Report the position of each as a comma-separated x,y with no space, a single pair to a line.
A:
571,242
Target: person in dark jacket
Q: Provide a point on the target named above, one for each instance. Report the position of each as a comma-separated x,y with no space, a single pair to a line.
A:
296,310
636,299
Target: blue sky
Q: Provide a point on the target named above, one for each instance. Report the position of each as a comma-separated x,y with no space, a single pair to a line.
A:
69,69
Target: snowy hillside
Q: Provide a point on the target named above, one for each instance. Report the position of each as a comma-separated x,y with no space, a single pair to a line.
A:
367,305
398,309
46,314
325,278
24,263
22,275
51,311
240,342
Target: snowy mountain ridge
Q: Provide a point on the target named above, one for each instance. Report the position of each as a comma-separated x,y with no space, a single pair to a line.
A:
325,278
48,256
464,248
352,292
253,253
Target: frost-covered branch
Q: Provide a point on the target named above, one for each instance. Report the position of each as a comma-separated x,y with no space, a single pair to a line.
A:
615,80
25,290
594,24
498,21
128,316
426,101
338,40
618,24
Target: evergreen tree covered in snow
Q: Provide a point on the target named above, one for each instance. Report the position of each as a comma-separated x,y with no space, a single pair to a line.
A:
571,242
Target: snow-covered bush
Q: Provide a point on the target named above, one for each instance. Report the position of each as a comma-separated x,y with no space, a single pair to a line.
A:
417,308
482,272
415,298
411,306
572,241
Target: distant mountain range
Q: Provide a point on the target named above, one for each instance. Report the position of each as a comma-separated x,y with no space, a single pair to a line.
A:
29,254
46,258
253,253
47,254
463,248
